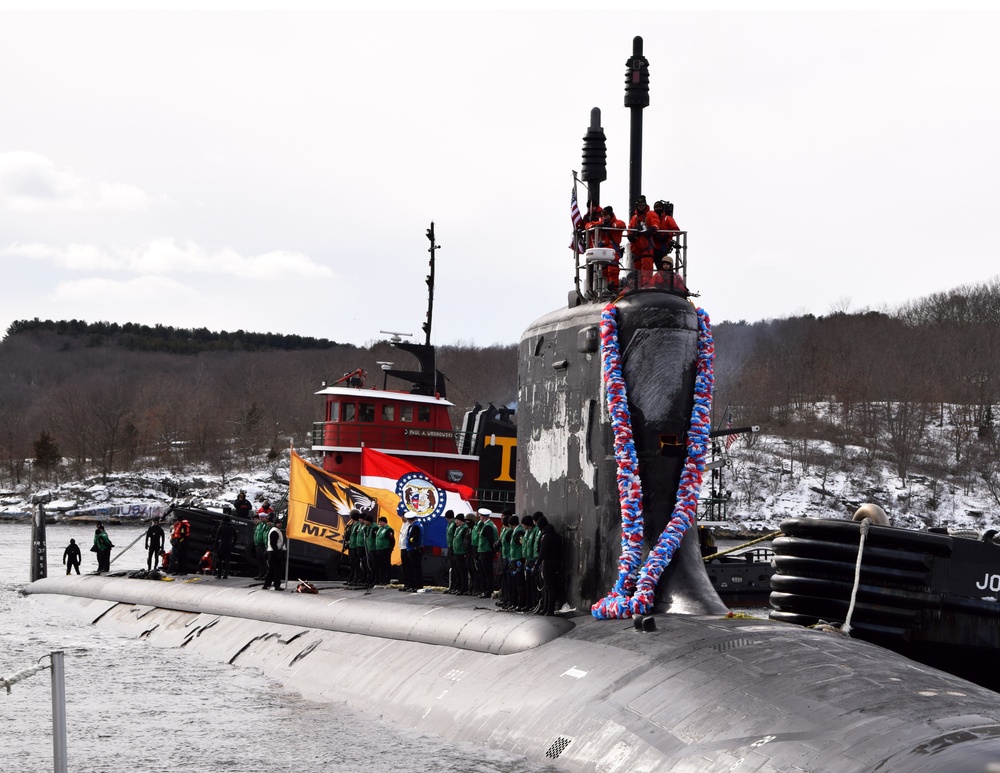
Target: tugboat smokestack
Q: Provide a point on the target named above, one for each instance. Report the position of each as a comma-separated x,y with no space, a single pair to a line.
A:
636,98
595,157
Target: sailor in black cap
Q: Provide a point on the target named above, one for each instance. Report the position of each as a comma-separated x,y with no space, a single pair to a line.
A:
413,555
486,552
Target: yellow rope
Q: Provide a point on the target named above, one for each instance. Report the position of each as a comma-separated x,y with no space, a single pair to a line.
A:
772,535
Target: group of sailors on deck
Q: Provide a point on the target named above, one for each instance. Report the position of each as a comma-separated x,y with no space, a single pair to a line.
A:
527,572
518,564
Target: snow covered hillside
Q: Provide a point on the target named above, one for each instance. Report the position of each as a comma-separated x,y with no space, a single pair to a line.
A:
772,477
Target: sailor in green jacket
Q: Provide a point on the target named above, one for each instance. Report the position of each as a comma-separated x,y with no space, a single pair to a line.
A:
449,536
369,538
474,573
486,551
260,542
516,566
102,546
385,540
358,559
506,591
462,544
352,524
530,548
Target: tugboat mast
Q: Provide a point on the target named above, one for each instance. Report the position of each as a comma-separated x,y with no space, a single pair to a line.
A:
428,380
430,287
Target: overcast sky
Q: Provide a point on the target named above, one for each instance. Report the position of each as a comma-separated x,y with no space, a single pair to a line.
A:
277,171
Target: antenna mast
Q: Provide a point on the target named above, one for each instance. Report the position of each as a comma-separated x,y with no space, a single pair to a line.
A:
430,286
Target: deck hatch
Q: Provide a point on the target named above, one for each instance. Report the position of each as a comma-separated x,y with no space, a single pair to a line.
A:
558,747
732,644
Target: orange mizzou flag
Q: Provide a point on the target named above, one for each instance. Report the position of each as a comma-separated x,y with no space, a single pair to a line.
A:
320,504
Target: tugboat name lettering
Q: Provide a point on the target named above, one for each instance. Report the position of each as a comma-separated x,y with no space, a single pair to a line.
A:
991,581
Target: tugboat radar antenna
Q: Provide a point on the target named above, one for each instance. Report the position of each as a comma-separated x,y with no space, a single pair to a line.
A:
430,287
395,337
636,98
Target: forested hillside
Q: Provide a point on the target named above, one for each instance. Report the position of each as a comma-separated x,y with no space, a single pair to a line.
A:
873,385
163,338
77,406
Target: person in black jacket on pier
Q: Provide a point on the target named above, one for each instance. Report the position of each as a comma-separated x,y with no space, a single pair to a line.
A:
225,540
71,556
154,544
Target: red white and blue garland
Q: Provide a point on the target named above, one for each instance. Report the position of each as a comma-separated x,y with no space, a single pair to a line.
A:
635,587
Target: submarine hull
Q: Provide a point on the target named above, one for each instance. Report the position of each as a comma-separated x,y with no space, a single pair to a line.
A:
696,694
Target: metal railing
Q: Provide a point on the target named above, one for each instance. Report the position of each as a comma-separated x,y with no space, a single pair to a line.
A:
590,278
495,497
713,509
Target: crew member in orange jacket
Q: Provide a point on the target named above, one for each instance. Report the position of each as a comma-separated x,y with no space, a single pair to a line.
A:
642,232
609,237
664,242
178,544
667,279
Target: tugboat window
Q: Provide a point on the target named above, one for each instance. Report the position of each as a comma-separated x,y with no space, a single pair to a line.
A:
334,412
388,413
367,412
349,411
423,413
406,413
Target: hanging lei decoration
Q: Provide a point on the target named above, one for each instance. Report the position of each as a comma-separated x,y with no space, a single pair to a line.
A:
634,590
689,487
616,603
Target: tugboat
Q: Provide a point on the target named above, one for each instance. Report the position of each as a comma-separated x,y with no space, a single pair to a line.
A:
930,596
415,425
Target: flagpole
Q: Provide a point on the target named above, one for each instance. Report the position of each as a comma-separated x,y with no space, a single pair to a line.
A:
718,426
288,542
288,551
577,223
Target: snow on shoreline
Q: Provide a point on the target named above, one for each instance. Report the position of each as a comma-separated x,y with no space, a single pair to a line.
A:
770,480
141,496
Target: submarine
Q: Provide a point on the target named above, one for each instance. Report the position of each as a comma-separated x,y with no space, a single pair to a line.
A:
649,672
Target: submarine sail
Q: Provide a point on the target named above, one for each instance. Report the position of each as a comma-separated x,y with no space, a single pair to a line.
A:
567,467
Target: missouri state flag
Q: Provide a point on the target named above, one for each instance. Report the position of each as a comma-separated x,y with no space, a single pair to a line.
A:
416,492
320,504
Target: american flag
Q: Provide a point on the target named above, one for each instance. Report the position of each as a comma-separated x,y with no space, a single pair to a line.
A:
577,218
730,439
574,211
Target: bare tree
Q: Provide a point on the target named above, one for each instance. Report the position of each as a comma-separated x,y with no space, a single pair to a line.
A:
110,406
